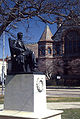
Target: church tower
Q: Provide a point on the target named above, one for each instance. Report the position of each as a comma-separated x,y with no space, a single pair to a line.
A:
45,49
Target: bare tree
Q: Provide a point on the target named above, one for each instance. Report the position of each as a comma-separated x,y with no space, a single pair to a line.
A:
52,69
46,10
74,67
49,72
58,66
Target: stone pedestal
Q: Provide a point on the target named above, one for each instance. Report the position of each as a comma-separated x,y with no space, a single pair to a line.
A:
25,98
25,92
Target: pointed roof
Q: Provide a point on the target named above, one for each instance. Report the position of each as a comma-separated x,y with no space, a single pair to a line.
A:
46,36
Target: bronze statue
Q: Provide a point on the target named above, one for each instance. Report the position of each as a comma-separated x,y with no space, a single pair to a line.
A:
23,59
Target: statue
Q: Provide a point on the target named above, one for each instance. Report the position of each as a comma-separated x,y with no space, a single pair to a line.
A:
23,59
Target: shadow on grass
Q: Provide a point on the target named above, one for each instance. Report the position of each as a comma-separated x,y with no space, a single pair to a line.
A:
71,114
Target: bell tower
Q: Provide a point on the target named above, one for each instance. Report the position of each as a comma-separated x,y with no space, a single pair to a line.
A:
45,48
45,44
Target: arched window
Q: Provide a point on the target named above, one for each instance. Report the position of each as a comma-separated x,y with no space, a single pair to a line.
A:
49,50
42,51
72,42
57,49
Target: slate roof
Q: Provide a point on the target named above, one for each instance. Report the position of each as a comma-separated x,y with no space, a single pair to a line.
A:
46,35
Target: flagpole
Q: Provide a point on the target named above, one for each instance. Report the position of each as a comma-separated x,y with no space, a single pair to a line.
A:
3,62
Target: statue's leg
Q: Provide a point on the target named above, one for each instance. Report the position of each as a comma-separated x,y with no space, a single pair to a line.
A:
24,69
33,60
22,58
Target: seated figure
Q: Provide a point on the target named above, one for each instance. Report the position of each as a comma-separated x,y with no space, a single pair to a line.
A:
23,59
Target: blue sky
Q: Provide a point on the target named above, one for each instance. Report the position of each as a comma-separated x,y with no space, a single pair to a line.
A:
33,34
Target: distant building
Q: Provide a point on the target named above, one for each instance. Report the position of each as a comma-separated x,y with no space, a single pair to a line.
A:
34,48
5,68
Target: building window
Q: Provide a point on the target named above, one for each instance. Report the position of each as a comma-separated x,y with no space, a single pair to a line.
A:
54,52
58,49
72,42
42,51
49,50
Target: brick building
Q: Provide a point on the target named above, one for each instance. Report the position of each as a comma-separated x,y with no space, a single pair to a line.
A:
67,46
64,45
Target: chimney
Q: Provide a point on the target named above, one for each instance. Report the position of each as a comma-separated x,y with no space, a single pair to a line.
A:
59,22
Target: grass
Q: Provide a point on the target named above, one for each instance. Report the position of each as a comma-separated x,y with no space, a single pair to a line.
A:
71,114
67,113
52,99
63,99
1,99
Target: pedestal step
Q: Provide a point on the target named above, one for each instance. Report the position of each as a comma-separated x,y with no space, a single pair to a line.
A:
48,114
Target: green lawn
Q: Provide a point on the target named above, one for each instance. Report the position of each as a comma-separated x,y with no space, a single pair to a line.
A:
63,99
71,114
67,113
52,99
1,99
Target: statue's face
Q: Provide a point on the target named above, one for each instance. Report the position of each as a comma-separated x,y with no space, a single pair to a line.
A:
20,35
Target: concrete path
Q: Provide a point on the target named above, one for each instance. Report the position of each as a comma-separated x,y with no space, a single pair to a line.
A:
63,105
63,92
74,92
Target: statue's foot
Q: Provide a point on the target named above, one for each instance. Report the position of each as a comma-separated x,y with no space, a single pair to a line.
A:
24,70
35,69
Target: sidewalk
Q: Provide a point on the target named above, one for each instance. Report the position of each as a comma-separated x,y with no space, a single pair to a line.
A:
63,87
63,105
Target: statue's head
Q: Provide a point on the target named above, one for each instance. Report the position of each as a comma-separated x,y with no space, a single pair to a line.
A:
20,35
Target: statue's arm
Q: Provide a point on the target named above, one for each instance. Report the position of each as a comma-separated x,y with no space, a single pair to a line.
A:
17,48
13,45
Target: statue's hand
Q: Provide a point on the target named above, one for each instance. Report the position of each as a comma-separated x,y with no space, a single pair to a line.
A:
22,53
22,50
14,55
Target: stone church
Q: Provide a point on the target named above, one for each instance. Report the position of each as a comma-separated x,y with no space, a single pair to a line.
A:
63,45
